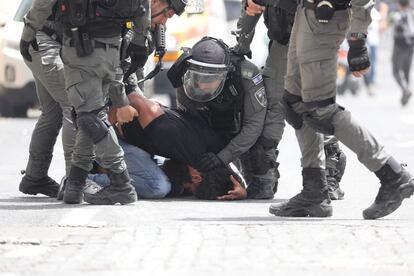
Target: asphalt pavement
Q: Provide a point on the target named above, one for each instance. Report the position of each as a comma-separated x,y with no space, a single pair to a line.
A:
41,236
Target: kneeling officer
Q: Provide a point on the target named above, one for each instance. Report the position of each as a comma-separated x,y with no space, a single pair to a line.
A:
227,92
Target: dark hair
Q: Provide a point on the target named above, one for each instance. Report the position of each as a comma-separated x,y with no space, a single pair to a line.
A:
215,183
177,173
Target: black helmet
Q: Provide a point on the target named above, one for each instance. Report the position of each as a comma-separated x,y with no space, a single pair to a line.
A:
178,5
207,69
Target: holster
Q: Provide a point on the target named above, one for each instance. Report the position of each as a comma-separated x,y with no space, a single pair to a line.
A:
82,42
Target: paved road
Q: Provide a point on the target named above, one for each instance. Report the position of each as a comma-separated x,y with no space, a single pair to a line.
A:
42,236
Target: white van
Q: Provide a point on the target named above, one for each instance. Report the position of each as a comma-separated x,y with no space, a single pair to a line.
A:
17,88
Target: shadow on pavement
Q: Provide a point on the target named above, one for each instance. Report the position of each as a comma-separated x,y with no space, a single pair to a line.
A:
19,203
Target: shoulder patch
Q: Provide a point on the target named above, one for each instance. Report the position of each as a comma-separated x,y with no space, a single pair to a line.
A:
260,96
257,79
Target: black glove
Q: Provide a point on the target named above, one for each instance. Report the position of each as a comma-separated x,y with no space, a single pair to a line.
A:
238,51
358,58
24,48
210,161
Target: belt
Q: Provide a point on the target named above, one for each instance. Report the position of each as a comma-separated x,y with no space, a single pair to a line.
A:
51,33
311,5
98,45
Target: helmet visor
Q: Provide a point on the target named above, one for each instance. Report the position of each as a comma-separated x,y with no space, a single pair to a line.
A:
203,86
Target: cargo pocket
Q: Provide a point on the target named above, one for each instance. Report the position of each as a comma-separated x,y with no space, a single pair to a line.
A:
318,79
75,96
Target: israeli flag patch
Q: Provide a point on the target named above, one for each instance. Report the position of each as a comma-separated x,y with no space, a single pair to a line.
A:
257,79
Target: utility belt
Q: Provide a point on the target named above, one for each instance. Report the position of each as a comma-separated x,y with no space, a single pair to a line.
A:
51,33
97,45
84,42
324,9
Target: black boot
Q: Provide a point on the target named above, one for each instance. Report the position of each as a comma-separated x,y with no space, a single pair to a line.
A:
73,190
260,188
119,191
90,187
45,186
335,168
396,184
263,181
312,201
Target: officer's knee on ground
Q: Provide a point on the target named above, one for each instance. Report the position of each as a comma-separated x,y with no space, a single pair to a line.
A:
93,126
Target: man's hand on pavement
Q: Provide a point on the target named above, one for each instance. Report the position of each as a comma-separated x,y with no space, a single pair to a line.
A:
237,193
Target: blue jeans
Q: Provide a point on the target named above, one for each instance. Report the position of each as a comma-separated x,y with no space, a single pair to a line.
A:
148,179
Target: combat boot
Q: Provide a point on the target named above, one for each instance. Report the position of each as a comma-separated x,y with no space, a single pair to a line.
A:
32,186
119,191
312,201
260,188
74,185
90,187
335,168
396,185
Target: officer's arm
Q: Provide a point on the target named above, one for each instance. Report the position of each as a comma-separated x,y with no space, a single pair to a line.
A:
361,16
36,17
245,30
255,103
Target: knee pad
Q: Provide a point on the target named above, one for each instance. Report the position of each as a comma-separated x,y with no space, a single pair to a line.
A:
323,124
293,118
93,126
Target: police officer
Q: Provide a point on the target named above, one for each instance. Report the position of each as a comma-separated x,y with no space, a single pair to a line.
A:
279,18
225,91
91,44
309,101
44,61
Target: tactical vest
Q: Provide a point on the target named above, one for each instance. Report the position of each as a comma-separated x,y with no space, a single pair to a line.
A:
279,20
224,114
77,13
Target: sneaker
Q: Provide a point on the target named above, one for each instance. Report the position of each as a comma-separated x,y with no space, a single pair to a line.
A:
112,194
335,192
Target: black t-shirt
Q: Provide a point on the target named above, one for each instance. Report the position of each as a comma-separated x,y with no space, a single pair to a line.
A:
176,135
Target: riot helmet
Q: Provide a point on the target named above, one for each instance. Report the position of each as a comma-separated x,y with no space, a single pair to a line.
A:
207,69
178,5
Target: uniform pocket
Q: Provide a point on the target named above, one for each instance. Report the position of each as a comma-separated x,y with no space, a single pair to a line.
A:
73,81
337,25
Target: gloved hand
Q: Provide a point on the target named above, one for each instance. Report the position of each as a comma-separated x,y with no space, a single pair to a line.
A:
358,58
240,51
24,48
210,161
